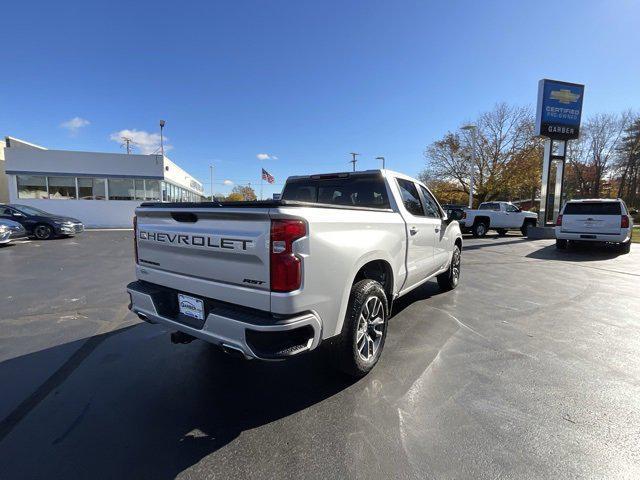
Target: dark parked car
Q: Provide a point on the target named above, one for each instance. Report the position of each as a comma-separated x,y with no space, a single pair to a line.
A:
39,223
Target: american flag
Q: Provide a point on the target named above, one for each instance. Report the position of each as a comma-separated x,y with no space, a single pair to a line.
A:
267,176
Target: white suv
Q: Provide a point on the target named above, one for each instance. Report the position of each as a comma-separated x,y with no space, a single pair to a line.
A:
596,220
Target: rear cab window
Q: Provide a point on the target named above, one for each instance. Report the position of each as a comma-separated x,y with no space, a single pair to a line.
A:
593,208
490,206
354,190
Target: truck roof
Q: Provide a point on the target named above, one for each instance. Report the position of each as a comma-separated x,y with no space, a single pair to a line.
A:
580,200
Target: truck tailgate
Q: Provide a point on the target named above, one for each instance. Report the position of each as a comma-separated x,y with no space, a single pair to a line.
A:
222,246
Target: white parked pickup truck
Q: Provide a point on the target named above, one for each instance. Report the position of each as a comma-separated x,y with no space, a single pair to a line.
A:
498,216
272,279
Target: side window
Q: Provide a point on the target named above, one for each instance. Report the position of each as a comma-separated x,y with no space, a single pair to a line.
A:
430,205
511,208
410,197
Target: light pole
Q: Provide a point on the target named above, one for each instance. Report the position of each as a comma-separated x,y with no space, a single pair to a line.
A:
211,175
353,161
472,129
161,138
381,158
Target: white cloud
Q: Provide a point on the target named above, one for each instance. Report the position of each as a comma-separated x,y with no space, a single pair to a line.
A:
228,182
75,124
266,156
145,142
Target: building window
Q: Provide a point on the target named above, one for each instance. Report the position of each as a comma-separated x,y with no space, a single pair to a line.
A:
165,198
152,188
139,189
30,186
121,189
62,188
91,188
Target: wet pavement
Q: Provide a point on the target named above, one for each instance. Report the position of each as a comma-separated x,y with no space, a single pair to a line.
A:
530,369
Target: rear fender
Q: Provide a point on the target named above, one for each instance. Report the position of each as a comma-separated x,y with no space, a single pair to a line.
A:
398,276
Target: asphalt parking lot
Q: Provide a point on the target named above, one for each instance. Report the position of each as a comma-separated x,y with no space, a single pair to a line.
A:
530,369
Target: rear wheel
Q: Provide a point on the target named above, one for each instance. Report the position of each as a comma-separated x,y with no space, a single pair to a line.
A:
502,231
480,229
561,244
449,279
43,231
625,247
525,228
358,348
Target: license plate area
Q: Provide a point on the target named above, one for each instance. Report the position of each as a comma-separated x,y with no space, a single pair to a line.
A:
191,310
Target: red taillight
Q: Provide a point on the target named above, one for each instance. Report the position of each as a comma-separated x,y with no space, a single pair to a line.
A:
624,221
559,221
135,237
286,268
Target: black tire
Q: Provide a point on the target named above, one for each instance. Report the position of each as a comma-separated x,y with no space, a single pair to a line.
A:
449,279
561,244
479,229
42,231
501,232
625,247
344,350
525,228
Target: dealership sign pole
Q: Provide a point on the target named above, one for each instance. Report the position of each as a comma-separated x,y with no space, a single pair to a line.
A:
558,120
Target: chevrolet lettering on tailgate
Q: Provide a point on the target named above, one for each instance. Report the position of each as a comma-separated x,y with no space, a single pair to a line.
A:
202,241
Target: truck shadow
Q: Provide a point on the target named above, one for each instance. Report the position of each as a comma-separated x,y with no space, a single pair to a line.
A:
130,405
578,253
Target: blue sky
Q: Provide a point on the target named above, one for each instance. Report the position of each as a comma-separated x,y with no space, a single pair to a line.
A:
306,82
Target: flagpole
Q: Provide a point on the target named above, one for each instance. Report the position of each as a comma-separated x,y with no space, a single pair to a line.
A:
261,183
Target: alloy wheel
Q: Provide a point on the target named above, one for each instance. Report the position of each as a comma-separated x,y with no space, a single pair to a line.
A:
455,266
42,232
370,328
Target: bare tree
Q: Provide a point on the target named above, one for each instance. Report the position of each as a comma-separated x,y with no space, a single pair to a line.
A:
504,139
591,156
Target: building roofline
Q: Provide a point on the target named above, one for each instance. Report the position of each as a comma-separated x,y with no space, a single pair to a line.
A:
8,139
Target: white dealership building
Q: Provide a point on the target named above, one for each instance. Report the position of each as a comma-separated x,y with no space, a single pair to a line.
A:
100,189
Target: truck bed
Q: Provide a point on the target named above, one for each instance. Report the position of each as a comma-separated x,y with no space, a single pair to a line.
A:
257,204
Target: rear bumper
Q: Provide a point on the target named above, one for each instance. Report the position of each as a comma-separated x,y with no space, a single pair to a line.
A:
255,334
622,237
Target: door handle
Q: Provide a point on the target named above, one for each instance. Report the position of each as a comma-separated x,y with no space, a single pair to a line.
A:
413,230
437,229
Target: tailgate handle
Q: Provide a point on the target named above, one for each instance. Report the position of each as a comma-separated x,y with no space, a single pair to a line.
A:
186,217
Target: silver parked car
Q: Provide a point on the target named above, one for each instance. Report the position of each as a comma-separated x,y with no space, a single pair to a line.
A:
10,230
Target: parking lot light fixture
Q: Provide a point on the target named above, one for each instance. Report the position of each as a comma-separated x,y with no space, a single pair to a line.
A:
472,128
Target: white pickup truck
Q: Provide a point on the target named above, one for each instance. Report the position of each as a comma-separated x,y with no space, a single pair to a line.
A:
498,216
272,279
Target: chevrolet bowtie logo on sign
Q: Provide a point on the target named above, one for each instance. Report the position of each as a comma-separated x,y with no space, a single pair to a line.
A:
559,109
564,96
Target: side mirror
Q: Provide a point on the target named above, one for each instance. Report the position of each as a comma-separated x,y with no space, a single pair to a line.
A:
454,214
